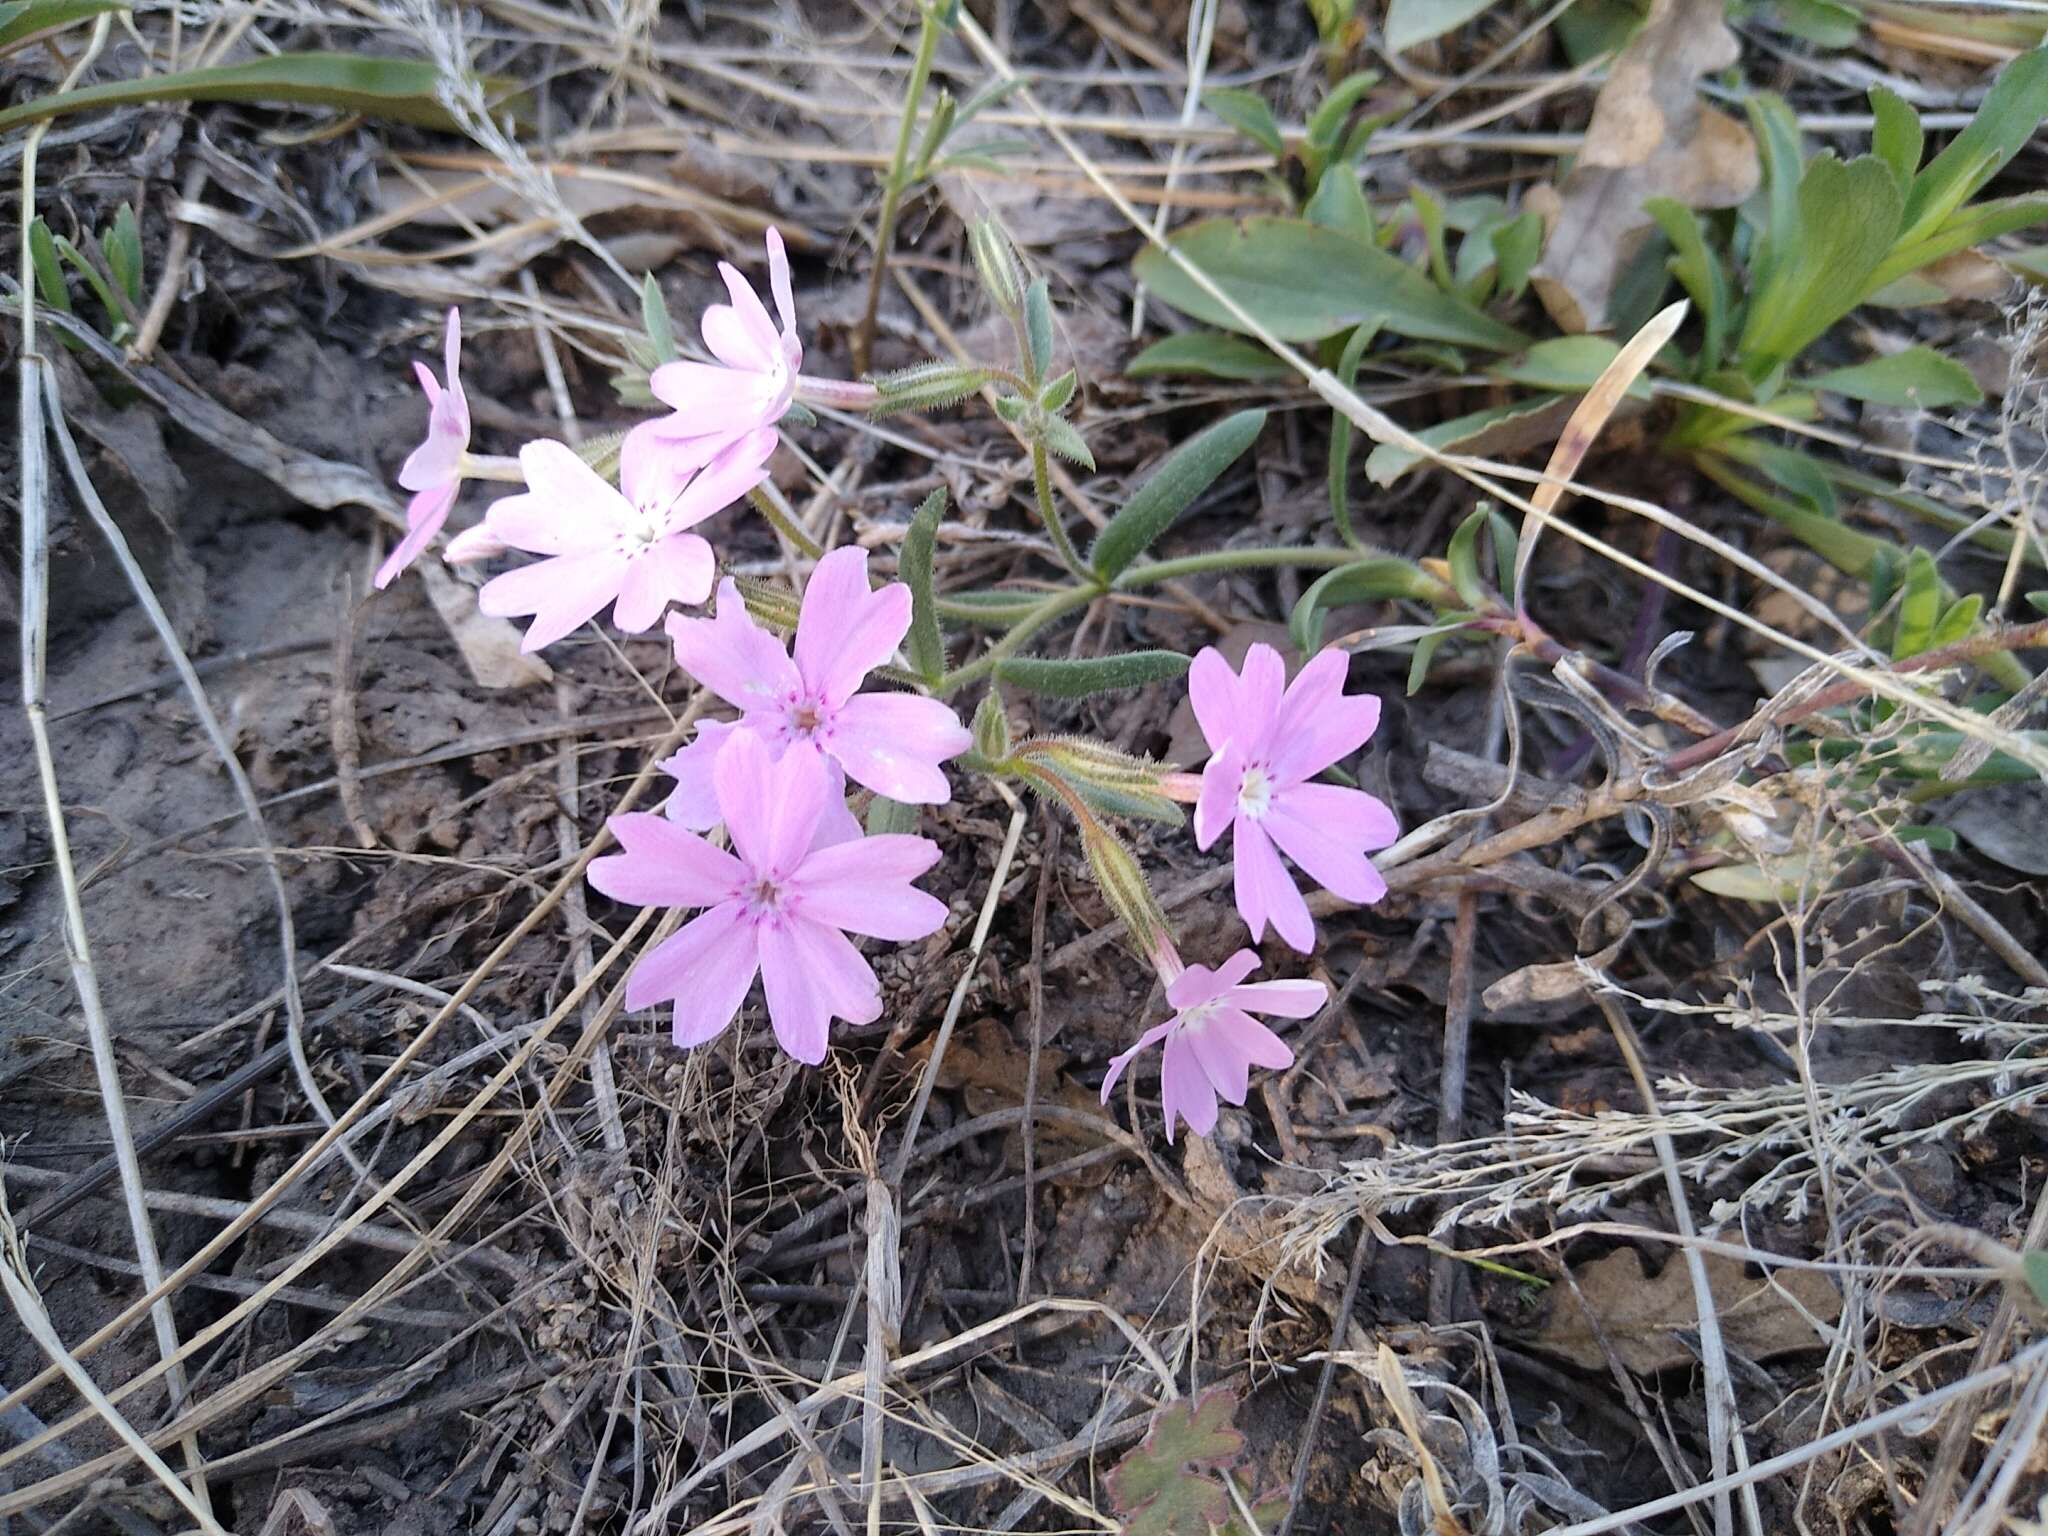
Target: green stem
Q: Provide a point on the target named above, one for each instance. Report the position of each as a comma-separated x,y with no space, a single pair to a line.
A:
1048,514
893,186
1316,557
1054,607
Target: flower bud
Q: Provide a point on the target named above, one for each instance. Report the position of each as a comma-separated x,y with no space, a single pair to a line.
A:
1124,887
992,728
1001,276
925,387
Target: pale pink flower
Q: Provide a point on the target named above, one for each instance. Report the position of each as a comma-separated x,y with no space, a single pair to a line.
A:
626,545
433,471
1212,1040
754,379
893,743
694,802
779,904
1270,738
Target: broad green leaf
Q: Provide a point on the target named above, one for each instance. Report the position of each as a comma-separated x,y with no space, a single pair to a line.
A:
1517,246
1410,22
1373,579
1038,327
1065,439
1848,216
1896,137
25,20
1304,283
1463,559
886,817
661,331
1215,353
1187,472
2012,109
1957,621
1566,365
122,245
1388,462
1819,21
402,90
1057,393
1338,204
1340,434
1247,112
927,648
1919,606
1698,270
2034,1271
1167,1486
1074,679
1917,376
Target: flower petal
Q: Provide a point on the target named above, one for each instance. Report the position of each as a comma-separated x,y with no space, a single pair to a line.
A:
677,569
424,515
1144,1042
567,505
763,340
1318,724
654,467
662,865
864,887
705,969
1326,829
1184,1088
1265,891
474,544
785,298
1212,692
1216,805
770,807
739,467
845,630
1198,984
562,594
694,801
733,656
893,744
1229,1044
811,975
712,401
1297,998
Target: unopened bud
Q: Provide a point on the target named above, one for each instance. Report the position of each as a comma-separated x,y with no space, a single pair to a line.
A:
1111,782
1125,888
994,259
925,387
992,728
772,605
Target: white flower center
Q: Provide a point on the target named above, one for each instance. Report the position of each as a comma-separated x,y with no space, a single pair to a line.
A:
1254,792
764,898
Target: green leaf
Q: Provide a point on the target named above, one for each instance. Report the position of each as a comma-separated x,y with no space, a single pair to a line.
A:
1410,22
1919,606
1957,621
1304,283
1215,353
1429,213
1777,135
936,127
925,387
1425,653
1373,579
927,648
1848,215
1463,559
1186,472
1340,434
887,817
1698,270
1940,839
661,331
1064,439
1060,678
1247,112
1326,123
2039,600
25,20
2012,109
1038,327
991,728
1058,392
122,245
1970,226
1388,462
1565,364
42,251
401,90
2034,1271
1818,21
1917,376
1167,1485
1517,246
1896,137
1338,204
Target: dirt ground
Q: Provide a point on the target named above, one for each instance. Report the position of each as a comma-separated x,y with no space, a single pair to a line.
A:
653,1255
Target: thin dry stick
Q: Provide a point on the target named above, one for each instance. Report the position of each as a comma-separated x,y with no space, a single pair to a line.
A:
1450,1118
35,597
1724,1420
1201,42
1048,857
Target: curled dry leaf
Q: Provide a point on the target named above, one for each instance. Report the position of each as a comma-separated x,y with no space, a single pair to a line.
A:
1651,136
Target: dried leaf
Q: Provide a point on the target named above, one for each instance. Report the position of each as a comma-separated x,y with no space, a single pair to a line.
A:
1640,1316
1651,136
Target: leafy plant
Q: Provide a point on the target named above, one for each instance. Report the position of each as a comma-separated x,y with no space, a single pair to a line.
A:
1172,1483
115,278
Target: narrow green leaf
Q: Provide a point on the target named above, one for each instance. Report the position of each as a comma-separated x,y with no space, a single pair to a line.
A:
1065,439
1304,283
2034,1271
1214,353
1698,270
50,284
1967,227
1517,246
1058,392
994,94
25,20
1073,679
927,648
888,817
1566,364
1410,22
925,387
1388,462
1187,472
1038,327
2039,600
1463,559
1919,606
2012,109
123,247
1957,621
1425,652
661,331
991,728
94,280
1917,376
1429,213
1506,546
401,90
1940,839
1340,433
1373,579
1247,112
1326,124
1819,21
1896,137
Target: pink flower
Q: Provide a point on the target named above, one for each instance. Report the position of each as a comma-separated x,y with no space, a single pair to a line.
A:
755,378
892,743
779,904
602,543
433,471
694,802
1269,739
1212,1040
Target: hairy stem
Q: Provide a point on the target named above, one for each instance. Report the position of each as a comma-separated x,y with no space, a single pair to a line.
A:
1152,572
1048,514
1059,604
892,185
